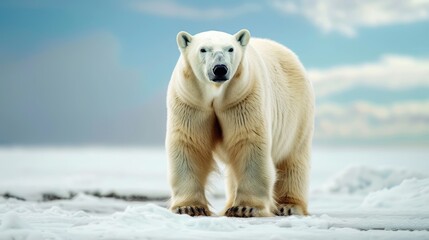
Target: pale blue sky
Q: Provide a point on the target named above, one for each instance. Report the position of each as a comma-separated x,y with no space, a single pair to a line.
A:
95,72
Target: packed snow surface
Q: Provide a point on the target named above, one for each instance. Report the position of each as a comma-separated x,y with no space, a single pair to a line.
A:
355,194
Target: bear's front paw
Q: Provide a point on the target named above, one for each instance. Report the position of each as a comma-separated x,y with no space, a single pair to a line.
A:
245,211
192,211
290,209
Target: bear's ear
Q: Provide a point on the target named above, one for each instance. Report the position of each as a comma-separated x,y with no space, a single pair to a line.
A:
183,39
243,36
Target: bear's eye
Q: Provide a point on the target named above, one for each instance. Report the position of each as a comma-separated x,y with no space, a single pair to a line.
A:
203,50
231,50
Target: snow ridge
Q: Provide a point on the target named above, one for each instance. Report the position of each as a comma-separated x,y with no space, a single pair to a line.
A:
365,179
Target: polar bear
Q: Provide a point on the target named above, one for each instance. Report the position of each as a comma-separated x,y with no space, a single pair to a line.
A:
247,102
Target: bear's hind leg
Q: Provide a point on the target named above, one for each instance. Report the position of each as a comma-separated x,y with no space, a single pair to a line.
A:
292,185
231,189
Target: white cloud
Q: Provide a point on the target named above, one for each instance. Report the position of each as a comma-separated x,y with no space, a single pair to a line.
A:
391,72
346,15
177,10
363,120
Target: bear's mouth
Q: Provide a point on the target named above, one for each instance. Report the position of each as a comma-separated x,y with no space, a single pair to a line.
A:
219,79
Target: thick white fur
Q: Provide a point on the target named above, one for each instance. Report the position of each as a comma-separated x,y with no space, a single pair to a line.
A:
259,123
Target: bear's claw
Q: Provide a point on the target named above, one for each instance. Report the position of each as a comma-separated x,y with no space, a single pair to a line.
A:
289,209
192,211
240,211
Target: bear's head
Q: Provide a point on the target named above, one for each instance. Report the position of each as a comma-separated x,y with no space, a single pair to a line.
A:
213,56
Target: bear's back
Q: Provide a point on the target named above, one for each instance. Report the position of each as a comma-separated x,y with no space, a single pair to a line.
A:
285,71
277,58
290,91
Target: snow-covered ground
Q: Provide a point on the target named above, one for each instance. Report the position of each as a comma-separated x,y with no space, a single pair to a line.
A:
355,194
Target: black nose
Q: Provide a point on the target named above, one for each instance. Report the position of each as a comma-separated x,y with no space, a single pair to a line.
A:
220,70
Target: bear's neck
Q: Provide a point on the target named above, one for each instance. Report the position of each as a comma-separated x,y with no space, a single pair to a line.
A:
236,89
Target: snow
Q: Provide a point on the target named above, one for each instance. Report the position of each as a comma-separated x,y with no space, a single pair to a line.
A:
69,170
365,179
411,194
355,194
12,221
